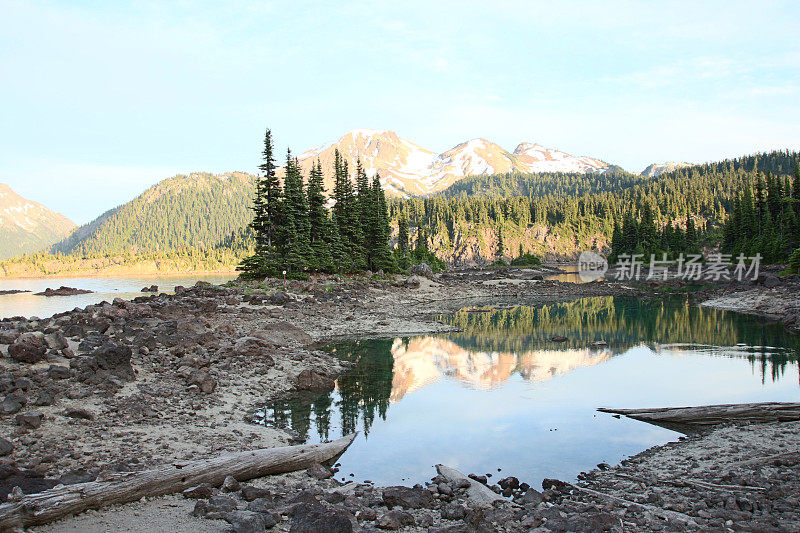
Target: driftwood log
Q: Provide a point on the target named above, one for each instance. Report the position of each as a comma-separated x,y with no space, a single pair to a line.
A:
44,507
710,415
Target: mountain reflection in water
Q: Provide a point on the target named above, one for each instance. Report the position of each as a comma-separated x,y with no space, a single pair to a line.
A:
421,361
665,347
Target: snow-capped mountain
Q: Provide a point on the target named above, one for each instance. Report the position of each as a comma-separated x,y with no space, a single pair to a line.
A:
656,169
27,226
407,169
536,158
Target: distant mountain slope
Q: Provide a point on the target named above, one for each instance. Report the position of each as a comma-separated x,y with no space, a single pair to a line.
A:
407,169
561,184
656,169
196,211
27,226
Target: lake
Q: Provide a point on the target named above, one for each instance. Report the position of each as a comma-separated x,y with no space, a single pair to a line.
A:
28,304
501,394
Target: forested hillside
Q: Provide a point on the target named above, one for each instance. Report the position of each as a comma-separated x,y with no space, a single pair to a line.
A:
184,212
484,218
558,215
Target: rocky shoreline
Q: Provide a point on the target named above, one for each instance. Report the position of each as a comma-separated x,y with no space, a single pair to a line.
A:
127,385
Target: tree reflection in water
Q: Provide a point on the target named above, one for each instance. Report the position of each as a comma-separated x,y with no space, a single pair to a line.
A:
494,344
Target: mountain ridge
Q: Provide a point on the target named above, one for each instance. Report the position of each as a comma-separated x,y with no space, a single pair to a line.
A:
27,226
407,169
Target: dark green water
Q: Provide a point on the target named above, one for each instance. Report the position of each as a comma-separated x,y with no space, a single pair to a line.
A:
502,394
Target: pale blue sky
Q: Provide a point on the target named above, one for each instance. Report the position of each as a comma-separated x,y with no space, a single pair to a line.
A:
99,100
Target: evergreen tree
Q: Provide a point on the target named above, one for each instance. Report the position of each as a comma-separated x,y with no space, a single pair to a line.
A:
402,241
796,185
266,207
422,241
380,256
347,216
364,205
692,242
501,249
295,229
319,221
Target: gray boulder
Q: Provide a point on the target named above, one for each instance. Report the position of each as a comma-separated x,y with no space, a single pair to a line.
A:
30,420
215,507
413,282
247,521
422,269
115,359
201,491
394,520
56,341
310,379
317,519
203,380
28,348
279,298
408,498
252,347
6,447
13,403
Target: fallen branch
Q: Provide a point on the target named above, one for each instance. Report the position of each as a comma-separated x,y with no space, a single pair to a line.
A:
36,509
689,482
656,511
758,460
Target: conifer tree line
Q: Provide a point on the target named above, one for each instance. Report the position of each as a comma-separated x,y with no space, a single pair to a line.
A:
766,219
295,232
678,211
641,235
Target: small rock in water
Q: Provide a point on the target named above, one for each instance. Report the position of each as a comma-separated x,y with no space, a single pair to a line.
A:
479,478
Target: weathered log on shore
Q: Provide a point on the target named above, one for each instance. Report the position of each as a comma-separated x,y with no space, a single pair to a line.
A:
58,502
710,415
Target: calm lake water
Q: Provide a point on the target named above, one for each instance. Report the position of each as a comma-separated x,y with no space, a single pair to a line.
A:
501,394
28,304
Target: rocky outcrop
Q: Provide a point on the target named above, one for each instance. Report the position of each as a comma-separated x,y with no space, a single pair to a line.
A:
63,291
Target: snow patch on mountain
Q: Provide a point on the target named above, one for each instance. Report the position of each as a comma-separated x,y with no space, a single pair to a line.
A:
656,169
407,169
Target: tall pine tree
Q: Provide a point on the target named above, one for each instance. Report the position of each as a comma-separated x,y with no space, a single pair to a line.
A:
378,252
319,222
266,211
295,230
